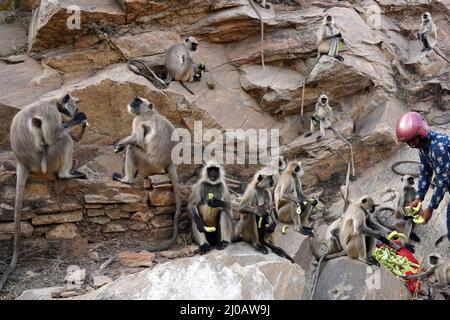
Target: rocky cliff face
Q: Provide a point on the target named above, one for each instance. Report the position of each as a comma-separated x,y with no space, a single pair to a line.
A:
384,74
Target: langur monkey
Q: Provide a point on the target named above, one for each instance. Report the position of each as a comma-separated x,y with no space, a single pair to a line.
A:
278,165
328,40
356,238
290,202
256,208
179,63
210,208
149,150
42,144
322,112
428,32
403,221
440,268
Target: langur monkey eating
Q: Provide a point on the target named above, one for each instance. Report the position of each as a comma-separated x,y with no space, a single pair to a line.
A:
149,151
428,33
42,144
322,112
290,202
179,63
403,220
256,208
210,209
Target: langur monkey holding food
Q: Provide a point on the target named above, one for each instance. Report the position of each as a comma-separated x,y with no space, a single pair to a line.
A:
290,202
210,208
403,220
428,32
322,112
259,221
179,63
42,144
149,151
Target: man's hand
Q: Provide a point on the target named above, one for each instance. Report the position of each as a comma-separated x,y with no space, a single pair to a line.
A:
415,203
426,214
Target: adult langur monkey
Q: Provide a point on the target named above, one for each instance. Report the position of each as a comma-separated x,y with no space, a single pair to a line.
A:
428,36
328,40
428,32
290,202
149,151
403,213
179,63
440,268
210,209
322,112
259,221
263,4
38,131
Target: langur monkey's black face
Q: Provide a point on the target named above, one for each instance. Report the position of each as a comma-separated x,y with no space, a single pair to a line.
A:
191,43
68,106
368,204
323,99
426,17
434,258
265,182
139,105
213,173
328,20
408,180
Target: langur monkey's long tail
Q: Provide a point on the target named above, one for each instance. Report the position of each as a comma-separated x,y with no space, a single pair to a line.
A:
440,54
172,171
304,83
262,31
22,175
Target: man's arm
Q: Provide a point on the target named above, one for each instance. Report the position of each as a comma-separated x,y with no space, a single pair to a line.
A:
424,176
442,165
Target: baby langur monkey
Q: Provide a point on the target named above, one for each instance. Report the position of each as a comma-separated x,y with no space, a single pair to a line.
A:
210,208
322,112
256,208
440,268
329,39
428,32
290,202
179,63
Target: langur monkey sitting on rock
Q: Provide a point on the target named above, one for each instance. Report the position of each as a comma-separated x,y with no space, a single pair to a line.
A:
440,268
210,209
428,32
149,151
179,63
322,112
259,221
291,204
329,39
42,144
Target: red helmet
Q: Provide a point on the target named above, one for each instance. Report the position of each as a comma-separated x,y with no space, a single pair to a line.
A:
410,126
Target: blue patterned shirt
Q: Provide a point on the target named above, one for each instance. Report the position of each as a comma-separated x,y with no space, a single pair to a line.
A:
435,158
